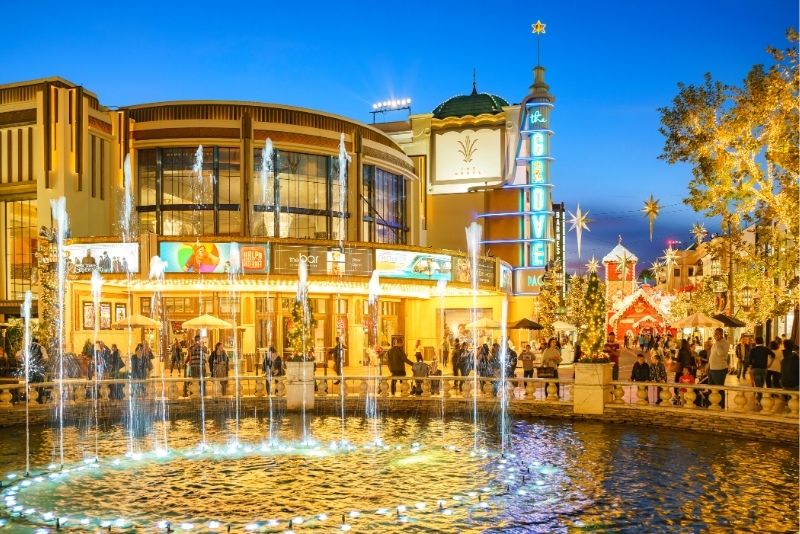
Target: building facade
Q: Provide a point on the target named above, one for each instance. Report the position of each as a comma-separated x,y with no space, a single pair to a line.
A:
217,184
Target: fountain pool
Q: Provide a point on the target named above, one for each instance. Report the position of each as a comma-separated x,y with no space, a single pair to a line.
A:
555,476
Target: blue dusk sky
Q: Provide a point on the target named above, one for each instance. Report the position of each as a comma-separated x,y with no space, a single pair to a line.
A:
609,64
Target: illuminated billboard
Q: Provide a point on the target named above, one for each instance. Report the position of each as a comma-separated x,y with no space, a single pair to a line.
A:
322,260
211,257
103,257
416,265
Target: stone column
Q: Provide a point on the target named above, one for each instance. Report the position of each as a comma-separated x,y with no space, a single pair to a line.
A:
299,385
592,387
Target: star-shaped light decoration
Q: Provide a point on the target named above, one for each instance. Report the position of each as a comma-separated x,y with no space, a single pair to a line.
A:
538,27
624,258
670,259
593,265
580,222
652,208
699,232
656,268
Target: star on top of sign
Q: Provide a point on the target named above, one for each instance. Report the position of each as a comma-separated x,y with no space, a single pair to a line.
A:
538,27
592,265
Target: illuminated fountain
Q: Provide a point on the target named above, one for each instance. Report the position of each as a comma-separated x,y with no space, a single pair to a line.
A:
376,471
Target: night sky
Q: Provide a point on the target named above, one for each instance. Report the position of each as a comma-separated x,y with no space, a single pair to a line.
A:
609,64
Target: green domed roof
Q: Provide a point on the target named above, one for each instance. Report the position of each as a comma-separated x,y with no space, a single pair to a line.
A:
473,104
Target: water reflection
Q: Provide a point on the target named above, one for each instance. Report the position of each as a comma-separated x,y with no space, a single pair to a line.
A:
560,476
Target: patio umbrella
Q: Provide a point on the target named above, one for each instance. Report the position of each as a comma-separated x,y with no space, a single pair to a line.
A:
206,321
136,321
727,320
525,324
484,322
697,320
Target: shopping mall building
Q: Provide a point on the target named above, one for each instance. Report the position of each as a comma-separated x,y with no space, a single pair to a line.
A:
410,189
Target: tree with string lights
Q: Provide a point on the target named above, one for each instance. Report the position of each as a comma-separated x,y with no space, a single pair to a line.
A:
577,308
595,335
550,301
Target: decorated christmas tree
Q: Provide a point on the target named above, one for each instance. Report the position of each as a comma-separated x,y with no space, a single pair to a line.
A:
577,309
301,329
550,301
595,335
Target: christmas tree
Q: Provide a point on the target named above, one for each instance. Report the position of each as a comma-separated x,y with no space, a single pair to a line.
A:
577,309
595,335
301,329
550,301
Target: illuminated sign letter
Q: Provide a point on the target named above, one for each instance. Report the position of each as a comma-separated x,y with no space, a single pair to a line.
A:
538,199
538,226
538,144
537,254
538,172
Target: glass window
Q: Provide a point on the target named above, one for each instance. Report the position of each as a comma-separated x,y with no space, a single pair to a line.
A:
303,193
383,199
21,240
175,200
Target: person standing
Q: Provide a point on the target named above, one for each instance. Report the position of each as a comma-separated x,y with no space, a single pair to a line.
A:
420,370
176,356
759,361
611,348
218,361
445,350
658,373
397,363
640,371
551,358
789,366
527,361
742,356
455,362
197,363
718,362
338,358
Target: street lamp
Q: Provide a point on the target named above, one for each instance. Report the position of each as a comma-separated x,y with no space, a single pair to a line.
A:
716,268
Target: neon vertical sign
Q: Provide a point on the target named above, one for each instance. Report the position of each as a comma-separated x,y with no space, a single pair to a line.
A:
539,184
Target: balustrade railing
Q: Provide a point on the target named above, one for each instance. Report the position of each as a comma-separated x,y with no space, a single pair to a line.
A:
697,397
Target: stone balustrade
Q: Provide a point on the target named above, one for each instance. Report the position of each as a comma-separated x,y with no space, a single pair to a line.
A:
621,400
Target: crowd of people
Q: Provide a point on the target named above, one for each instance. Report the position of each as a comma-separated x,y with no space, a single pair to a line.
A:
774,366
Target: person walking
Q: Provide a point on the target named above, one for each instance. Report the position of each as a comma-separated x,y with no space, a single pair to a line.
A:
718,362
774,365
397,363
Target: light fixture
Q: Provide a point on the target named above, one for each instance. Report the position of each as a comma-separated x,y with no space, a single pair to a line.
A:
747,296
715,267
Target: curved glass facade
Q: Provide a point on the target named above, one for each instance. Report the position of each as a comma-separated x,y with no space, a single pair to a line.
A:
174,200
303,192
